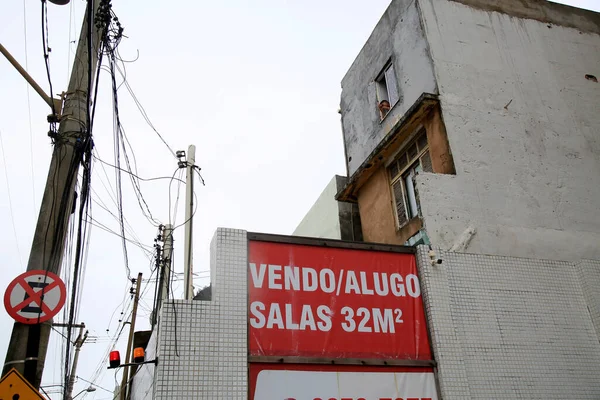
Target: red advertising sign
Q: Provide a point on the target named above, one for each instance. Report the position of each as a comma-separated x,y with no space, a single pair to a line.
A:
337,382
315,301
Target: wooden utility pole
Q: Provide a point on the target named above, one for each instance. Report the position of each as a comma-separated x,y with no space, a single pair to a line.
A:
29,343
136,299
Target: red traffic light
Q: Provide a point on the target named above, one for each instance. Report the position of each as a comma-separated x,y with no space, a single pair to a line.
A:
138,354
114,359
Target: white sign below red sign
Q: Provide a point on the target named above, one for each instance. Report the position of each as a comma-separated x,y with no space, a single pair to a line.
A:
296,382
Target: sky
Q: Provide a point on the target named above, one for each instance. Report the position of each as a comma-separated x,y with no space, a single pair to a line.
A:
255,85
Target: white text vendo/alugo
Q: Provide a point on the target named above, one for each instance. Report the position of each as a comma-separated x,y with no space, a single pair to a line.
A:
308,279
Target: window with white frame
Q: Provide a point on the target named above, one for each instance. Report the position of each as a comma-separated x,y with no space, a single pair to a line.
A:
387,90
413,159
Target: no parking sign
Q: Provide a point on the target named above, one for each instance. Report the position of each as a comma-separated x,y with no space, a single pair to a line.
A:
35,297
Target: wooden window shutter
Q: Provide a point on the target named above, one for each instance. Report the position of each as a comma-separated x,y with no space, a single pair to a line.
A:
399,199
392,85
426,162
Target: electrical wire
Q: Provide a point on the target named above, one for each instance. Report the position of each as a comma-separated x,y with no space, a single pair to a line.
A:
10,207
130,230
136,176
106,229
71,24
175,318
83,157
175,207
46,49
142,110
91,383
80,247
29,107
100,367
125,311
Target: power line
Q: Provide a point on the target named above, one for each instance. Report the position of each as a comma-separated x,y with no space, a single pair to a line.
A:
106,229
102,205
91,383
12,218
136,176
46,48
100,367
142,110
29,106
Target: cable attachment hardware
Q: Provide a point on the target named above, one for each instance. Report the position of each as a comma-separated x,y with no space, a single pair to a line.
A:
182,162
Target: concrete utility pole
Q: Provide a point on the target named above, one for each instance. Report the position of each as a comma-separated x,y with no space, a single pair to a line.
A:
78,343
165,279
188,244
136,299
29,343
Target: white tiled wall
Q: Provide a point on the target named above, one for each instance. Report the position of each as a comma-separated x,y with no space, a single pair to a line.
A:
588,272
501,327
505,327
203,344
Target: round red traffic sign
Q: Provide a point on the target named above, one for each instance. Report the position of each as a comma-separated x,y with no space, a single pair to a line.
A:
35,297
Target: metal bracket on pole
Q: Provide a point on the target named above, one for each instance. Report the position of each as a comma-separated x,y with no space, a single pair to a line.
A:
155,362
63,325
55,104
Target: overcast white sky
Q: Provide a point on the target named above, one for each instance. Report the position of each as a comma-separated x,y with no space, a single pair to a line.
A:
254,85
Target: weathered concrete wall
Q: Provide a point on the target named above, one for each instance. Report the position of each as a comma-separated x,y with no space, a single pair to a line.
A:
398,36
543,11
510,328
329,218
523,123
377,212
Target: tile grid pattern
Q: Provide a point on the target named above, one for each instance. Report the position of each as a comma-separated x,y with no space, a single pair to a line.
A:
505,327
588,272
203,344
445,340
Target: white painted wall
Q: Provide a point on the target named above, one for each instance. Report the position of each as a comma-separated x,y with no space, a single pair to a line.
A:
524,128
323,218
399,38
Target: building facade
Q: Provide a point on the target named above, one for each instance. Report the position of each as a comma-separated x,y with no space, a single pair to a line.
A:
471,131
491,135
471,126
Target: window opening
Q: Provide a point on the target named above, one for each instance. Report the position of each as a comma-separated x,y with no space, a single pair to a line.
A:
387,90
408,163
